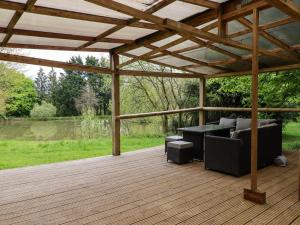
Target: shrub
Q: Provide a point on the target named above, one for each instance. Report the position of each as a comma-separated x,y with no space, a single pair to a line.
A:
43,111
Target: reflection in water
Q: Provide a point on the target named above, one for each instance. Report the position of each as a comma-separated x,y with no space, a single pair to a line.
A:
72,129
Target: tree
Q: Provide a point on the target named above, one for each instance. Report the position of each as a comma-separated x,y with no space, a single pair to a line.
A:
18,91
43,111
41,85
87,99
52,86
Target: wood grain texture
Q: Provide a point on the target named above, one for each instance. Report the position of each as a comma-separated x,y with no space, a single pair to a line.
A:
142,188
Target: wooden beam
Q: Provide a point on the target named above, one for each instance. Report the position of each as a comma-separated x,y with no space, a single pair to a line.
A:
248,72
52,63
14,20
253,194
143,115
151,10
203,3
158,74
202,97
287,6
116,125
216,109
33,33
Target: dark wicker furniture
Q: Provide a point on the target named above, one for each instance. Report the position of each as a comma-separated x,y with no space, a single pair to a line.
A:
180,152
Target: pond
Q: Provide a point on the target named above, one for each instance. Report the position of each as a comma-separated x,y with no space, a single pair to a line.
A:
73,129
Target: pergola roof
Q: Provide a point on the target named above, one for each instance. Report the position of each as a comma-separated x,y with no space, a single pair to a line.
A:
152,30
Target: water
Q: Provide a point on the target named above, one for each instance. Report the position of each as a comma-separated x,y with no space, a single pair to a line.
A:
73,129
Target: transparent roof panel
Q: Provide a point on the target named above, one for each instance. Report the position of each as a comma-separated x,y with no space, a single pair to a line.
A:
82,7
166,40
239,66
173,61
236,51
206,70
30,21
5,17
131,33
288,33
179,10
273,61
139,51
20,39
235,26
263,43
105,45
269,15
185,44
206,55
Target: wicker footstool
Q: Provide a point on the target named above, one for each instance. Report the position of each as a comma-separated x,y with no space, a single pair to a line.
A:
171,139
180,152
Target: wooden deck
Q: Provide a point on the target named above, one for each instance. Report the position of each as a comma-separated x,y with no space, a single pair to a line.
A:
142,188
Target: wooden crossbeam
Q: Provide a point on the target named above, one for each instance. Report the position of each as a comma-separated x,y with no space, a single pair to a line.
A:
272,39
92,69
33,33
203,3
287,6
14,20
151,10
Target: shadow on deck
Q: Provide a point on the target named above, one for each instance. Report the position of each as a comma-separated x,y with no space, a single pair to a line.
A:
142,188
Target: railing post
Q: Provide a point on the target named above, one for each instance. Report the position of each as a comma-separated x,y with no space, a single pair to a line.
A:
202,96
253,194
114,62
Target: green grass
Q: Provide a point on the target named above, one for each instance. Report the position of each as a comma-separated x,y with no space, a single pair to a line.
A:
28,153
291,136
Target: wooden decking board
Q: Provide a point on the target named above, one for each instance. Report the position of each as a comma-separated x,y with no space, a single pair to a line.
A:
78,199
211,211
142,188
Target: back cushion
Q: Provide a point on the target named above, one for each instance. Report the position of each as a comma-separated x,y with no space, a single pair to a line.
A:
227,122
242,124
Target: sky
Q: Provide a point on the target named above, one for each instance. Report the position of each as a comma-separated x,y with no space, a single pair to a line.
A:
32,70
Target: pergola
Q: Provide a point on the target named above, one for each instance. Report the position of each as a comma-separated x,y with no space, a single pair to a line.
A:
199,38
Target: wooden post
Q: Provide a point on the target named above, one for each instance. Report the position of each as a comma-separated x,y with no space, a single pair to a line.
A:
299,177
253,194
202,96
114,62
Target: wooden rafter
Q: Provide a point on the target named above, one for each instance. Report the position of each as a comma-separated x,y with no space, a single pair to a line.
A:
61,36
151,10
287,6
14,20
203,3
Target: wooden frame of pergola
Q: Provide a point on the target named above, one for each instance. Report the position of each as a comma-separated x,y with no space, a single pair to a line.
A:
216,16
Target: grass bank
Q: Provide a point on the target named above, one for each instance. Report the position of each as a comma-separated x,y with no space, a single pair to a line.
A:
28,153
291,136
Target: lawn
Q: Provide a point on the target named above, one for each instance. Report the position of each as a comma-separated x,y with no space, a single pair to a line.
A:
20,153
291,136
27,153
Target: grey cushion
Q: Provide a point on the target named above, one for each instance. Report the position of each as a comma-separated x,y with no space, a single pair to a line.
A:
242,124
180,144
235,134
174,138
263,122
227,122
269,125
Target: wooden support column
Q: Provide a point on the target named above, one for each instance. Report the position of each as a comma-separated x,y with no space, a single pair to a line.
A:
253,194
202,96
114,62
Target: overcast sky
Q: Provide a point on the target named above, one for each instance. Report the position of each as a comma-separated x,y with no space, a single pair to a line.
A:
31,70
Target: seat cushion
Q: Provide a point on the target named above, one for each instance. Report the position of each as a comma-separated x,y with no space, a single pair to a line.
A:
263,122
180,144
227,122
174,138
242,123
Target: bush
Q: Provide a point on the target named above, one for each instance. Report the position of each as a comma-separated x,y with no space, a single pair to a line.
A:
43,111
